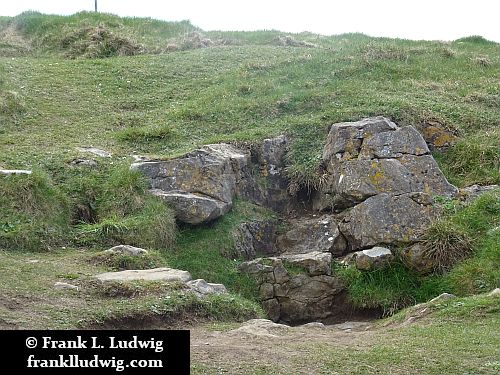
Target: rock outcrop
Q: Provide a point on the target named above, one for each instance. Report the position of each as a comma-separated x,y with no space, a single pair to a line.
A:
375,156
387,219
202,184
312,234
295,297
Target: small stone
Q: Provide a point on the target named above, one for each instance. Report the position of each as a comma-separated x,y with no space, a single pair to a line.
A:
203,288
494,293
62,286
127,250
442,297
95,151
374,258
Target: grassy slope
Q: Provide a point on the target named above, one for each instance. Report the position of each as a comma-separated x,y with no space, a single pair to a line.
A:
166,104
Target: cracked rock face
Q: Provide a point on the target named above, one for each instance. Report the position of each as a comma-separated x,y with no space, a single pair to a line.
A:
312,234
375,156
201,185
387,219
296,297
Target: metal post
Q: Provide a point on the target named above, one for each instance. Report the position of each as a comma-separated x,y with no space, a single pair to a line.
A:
95,5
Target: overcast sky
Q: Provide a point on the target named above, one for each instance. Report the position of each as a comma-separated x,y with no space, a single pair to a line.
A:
416,19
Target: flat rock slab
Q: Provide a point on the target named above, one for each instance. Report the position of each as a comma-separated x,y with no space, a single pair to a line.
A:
154,274
262,328
8,172
315,263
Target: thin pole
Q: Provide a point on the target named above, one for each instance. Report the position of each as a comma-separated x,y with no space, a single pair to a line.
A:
95,5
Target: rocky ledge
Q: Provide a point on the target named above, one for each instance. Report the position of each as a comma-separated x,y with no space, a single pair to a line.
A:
380,183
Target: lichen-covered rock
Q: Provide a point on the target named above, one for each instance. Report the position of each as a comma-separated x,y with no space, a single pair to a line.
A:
154,274
314,263
312,234
387,219
472,192
375,156
415,258
126,250
202,288
192,208
263,181
255,238
372,259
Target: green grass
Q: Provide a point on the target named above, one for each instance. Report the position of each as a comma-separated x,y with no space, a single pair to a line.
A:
208,251
62,88
475,270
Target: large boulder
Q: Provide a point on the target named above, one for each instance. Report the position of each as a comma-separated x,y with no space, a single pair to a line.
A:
312,234
387,219
200,185
375,156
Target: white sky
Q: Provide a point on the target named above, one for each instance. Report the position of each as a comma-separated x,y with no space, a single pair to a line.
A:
416,19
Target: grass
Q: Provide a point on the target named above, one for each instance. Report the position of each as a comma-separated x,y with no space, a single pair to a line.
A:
67,82
208,251
453,341
464,243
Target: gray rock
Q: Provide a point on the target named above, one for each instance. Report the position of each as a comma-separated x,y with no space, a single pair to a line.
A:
95,151
375,156
266,291
472,192
394,144
312,234
193,208
442,297
272,309
255,238
9,172
199,185
262,327
127,250
154,274
387,219
494,293
202,288
345,139
65,286
315,263
415,258
296,298
374,258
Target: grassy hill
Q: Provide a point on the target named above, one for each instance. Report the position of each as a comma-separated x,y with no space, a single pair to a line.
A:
140,86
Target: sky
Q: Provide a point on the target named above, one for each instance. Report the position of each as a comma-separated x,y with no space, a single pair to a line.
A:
415,19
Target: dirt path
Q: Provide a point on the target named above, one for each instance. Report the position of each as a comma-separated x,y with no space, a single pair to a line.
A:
272,349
